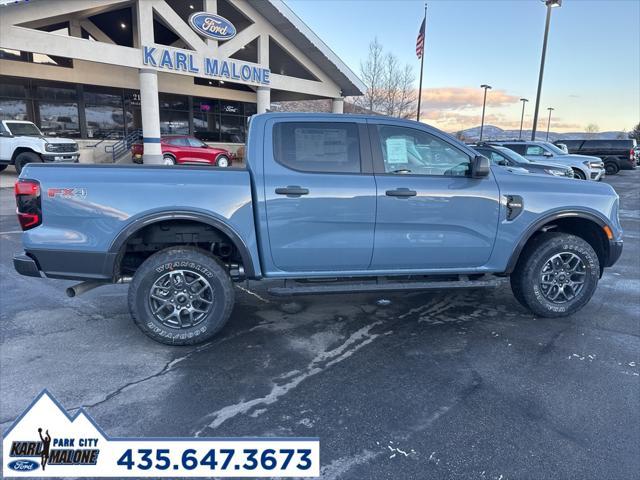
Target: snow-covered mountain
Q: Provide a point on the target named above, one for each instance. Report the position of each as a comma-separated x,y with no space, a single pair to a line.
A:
491,132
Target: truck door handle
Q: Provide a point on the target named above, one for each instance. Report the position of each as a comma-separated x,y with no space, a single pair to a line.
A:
401,192
292,191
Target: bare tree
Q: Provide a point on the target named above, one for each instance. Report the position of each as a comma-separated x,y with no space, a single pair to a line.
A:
591,130
372,76
390,89
635,133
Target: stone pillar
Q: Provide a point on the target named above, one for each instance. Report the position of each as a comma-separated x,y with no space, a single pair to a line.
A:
264,99
150,110
337,105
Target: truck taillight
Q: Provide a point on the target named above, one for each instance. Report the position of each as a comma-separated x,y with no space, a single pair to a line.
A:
29,207
632,155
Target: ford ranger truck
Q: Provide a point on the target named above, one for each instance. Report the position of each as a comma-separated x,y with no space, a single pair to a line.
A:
327,204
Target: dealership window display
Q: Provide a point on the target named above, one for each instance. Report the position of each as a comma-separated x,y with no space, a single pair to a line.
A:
110,113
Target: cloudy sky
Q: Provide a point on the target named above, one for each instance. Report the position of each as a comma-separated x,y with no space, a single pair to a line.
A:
592,72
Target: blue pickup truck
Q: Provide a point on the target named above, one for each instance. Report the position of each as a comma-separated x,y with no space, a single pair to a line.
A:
327,204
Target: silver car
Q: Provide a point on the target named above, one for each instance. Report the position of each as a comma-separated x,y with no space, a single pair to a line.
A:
584,167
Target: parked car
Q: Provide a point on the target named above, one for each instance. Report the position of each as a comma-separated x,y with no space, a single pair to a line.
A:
507,157
616,154
636,152
186,150
22,142
319,209
584,167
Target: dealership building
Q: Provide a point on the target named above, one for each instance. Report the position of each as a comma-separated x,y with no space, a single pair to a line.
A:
101,71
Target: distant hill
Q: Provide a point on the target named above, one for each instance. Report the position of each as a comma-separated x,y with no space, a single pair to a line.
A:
491,132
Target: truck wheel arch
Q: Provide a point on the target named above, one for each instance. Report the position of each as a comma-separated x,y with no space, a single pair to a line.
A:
118,246
586,225
20,150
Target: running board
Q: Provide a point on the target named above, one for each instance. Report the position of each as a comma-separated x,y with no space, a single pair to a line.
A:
292,287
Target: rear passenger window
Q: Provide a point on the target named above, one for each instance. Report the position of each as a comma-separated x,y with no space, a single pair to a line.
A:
535,150
597,144
323,147
518,148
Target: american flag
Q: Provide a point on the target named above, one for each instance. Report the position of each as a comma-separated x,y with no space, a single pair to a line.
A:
420,40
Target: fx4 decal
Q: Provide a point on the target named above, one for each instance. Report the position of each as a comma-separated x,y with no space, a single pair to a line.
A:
78,193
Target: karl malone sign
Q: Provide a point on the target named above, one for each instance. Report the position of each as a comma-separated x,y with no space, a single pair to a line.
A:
218,28
180,61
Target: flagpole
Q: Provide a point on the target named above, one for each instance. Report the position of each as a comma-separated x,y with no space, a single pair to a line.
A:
424,41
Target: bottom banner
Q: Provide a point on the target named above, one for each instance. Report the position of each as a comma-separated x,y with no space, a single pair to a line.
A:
45,441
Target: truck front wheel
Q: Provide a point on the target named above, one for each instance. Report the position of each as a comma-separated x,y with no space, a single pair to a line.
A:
556,275
181,296
26,157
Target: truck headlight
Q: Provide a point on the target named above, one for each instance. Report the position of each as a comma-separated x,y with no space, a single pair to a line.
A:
49,147
593,164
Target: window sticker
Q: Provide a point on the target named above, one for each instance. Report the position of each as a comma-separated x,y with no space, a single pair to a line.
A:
396,150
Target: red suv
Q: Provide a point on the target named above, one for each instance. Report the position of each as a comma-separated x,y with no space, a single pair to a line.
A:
186,150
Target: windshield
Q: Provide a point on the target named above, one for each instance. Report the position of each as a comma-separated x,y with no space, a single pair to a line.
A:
554,149
515,156
23,129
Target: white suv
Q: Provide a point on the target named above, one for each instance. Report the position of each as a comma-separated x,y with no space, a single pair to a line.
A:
22,142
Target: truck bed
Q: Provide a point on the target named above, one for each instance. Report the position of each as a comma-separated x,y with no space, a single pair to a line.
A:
86,208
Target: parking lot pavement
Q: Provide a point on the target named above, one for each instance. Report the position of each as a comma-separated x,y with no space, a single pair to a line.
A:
449,384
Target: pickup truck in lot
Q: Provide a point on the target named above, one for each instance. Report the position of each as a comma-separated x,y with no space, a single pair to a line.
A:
327,204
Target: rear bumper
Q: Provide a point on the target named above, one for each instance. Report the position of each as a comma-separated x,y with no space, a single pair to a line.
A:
25,265
615,250
71,265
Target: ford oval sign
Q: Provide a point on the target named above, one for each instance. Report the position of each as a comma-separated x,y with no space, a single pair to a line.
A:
212,26
23,465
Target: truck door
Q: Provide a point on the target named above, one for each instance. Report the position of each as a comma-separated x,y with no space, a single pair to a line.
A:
320,194
430,213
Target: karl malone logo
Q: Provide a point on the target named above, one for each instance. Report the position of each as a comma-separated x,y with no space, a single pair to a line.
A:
212,26
32,445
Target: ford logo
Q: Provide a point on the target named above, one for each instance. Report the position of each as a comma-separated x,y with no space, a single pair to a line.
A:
212,26
23,465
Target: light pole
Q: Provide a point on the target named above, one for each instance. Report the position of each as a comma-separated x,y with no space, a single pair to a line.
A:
484,103
549,121
523,100
550,4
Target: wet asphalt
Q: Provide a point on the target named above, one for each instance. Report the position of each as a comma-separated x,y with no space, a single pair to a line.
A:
439,385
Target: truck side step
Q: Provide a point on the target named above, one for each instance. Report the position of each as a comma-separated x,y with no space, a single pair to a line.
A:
293,287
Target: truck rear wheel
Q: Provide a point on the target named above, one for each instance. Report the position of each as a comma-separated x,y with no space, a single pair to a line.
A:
181,296
24,158
556,275
611,168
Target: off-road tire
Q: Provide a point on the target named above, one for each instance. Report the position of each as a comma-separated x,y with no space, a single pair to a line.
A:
525,279
26,157
186,259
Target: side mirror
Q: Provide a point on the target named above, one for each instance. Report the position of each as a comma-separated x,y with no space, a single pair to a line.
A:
480,167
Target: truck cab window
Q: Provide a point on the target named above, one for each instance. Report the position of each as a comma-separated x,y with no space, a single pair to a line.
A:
412,151
327,147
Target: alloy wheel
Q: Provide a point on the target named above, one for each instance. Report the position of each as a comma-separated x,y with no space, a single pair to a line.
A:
562,277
